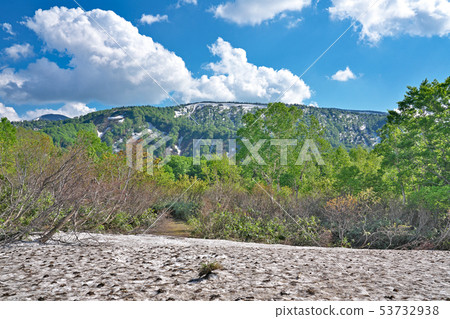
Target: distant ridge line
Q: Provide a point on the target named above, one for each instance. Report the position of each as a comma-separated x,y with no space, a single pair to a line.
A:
256,103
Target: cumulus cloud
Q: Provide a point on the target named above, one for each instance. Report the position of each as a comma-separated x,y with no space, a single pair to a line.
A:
254,12
101,71
235,79
18,51
343,75
8,112
11,84
394,17
7,28
98,68
149,19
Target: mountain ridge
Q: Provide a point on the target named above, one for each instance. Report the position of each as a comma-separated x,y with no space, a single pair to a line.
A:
207,119
51,117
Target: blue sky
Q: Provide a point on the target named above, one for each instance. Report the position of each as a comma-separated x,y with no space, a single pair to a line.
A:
56,58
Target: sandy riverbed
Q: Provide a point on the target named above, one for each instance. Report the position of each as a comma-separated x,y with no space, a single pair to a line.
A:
119,267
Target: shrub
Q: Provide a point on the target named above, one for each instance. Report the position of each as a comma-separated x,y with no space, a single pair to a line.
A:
185,210
125,222
208,268
307,232
342,212
247,227
180,210
238,226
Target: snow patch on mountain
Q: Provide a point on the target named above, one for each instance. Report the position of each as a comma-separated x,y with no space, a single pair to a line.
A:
190,109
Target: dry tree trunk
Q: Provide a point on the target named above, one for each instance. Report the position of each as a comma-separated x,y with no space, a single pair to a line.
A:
57,227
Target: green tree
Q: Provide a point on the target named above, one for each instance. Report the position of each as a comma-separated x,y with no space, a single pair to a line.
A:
416,136
7,140
7,133
276,122
108,138
94,145
179,166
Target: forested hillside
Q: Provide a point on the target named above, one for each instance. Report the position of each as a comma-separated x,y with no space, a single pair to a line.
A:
203,120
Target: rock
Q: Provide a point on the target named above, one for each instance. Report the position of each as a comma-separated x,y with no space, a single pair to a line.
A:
311,291
213,297
160,291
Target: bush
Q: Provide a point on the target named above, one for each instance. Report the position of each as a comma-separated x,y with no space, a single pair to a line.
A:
125,222
185,210
342,213
180,210
307,232
245,227
433,198
238,226
208,268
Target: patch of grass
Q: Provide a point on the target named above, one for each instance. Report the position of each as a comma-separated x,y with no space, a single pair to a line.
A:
207,268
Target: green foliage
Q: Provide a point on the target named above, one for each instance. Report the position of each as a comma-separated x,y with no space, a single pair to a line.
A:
125,222
7,140
306,231
179,166
7,133
64,133
219,170
208,268
281,132
180,210
416,137
238,226
251,227
94,146
434,198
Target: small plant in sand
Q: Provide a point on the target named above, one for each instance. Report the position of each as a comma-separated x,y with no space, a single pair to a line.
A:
208,268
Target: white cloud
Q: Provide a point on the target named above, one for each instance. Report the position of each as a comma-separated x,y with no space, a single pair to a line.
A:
149,19
98,68
7,28
100,71
72,109
394,17
254,12
343,75
18,51
293,23
235,79
11,84
8,112
181,2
